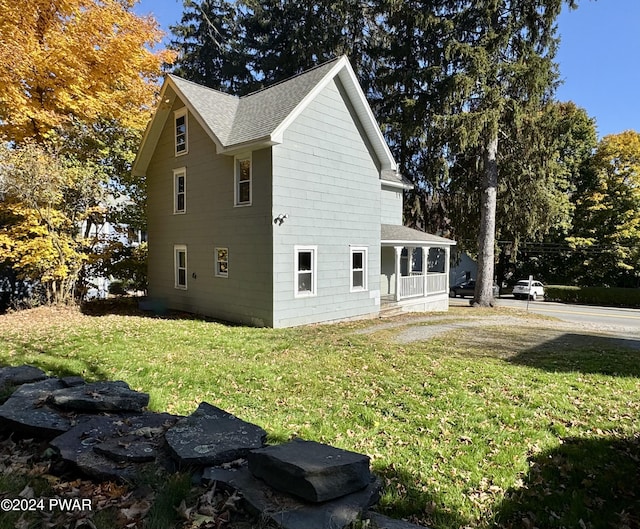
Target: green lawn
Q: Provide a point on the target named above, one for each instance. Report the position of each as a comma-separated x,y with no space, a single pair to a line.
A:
493,426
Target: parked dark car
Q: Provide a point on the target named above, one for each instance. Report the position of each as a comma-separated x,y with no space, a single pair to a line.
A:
468,289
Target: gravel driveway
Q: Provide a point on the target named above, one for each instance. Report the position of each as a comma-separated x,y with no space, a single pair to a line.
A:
425,327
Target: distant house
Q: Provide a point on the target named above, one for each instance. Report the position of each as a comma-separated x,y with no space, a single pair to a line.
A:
463,268
102,234
282,207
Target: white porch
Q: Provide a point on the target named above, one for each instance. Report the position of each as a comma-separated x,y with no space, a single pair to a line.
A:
414,269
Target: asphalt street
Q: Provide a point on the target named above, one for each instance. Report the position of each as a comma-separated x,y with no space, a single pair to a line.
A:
601,316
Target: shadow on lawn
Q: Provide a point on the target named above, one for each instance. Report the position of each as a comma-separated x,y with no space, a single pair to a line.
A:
52,363
142,307
584,354
588,483
121,306
57,367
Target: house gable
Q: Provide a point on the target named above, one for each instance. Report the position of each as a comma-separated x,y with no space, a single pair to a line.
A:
260,119
327,183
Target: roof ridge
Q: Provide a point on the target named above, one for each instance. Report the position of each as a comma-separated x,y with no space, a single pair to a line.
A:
290,78
199,85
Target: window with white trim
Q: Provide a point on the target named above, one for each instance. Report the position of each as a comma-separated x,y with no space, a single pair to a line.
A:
181,131
358,268
180,266
222,262
305,266
243,183
180,190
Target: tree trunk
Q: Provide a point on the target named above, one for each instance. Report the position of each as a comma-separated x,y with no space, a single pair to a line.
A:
487,234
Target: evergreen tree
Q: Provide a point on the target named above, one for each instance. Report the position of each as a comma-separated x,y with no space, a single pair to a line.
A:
499,59
290,36
211,42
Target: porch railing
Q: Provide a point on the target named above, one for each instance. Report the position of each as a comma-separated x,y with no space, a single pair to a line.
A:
414,285
411,286
436,283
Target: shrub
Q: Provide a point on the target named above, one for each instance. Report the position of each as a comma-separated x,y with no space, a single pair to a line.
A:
117,288
607,296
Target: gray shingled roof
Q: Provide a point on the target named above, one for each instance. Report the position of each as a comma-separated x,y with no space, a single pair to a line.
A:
236,120
216,108
395,177
402,234
236,123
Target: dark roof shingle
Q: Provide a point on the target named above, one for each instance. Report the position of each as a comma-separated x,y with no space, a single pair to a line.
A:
236,120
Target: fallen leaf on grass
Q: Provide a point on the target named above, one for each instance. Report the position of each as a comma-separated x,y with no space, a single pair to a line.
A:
27,493
183,511
136,510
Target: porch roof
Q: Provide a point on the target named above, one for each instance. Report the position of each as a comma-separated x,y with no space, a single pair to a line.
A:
403,236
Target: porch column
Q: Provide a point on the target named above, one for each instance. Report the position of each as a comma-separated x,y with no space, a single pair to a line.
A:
410,250
398,250
447,264
425,269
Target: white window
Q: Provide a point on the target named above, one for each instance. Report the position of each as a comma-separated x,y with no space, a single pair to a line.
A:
358,268
222,262
180,190
180,117
180,266
305,267
242,190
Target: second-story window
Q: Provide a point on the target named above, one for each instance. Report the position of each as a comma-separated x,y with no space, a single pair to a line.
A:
181,132
180,190
243,181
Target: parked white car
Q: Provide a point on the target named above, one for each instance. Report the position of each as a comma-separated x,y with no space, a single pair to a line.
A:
521,290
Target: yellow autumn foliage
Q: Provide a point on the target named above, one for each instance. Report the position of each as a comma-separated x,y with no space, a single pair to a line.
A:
608,211
75,59
38,237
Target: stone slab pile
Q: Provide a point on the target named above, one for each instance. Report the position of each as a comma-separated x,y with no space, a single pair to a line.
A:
311,471
116,447
104,429
211,436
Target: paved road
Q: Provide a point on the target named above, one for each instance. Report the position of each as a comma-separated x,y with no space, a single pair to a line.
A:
604,316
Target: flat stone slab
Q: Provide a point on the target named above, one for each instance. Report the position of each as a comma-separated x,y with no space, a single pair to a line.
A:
312,471
100,396
27,412
16,376
288,512
211,436
128,449
97,444
73,381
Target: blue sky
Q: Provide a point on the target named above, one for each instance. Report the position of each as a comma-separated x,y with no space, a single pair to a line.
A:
599,57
